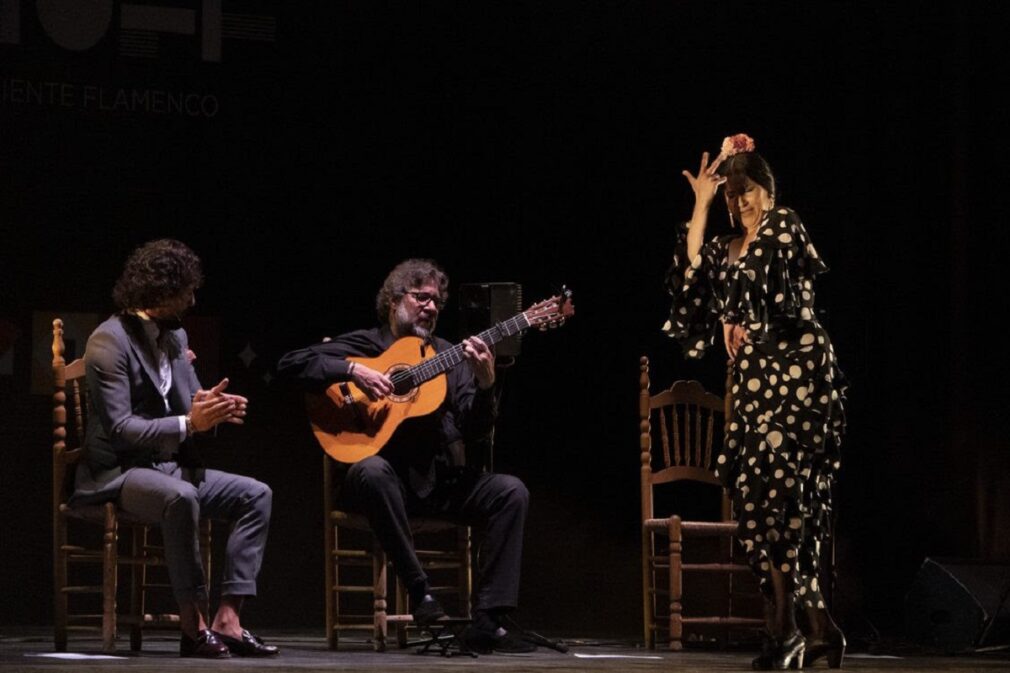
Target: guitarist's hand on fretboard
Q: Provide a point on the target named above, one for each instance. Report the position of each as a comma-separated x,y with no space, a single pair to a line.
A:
481,359
374,384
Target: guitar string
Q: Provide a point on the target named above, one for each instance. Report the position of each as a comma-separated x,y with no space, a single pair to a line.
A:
454,355
450,358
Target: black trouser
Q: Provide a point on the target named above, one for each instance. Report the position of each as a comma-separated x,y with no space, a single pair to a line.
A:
495,504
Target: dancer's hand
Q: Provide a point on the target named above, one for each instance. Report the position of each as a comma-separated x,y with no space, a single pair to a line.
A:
734,336
706,183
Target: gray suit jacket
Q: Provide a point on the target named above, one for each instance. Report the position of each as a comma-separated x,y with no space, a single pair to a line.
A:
128,425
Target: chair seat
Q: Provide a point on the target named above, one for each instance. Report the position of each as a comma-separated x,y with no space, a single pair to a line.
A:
660,564
724,621
96,514
699,528
418,525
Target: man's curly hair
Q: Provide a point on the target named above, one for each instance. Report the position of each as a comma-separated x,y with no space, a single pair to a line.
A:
408,274
155,273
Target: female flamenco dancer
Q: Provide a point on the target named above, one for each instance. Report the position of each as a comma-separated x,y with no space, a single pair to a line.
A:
781,448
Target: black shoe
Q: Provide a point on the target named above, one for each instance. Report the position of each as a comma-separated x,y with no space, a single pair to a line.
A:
832,648
766,660
790,652
504,642
206,646
248,645
427,612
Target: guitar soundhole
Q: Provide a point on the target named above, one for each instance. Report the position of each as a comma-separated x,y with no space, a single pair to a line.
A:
403,390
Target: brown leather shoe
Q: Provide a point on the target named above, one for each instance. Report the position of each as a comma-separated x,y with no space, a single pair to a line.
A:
206,646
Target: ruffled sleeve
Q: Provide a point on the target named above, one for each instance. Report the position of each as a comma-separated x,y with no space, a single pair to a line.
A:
774,280
692,284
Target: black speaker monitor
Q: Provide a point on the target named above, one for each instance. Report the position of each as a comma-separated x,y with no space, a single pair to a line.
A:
482,305
959,605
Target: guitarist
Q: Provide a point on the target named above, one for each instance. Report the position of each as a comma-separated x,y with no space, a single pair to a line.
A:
422,469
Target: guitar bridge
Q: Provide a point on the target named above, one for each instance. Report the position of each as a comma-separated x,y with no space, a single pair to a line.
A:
360,422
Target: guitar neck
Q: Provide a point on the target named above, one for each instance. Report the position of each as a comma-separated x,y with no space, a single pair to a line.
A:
448,359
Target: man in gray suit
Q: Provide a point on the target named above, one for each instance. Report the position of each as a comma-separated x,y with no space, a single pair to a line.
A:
149,411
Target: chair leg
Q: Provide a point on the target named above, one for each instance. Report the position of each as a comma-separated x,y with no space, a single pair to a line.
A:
648,582
726,549
332,575
59,583
676,585
465,578
402,607
109,571
138,577
379,590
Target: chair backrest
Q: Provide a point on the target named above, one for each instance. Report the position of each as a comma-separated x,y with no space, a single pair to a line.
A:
688,423
67,450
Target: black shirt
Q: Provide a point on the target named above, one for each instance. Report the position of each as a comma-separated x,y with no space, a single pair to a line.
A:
422,448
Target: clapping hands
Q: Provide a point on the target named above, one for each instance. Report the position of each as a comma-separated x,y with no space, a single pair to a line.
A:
213,407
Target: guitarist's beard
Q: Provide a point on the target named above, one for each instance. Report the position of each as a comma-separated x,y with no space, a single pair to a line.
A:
405,326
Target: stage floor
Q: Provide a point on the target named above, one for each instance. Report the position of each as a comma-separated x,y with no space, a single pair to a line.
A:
31,650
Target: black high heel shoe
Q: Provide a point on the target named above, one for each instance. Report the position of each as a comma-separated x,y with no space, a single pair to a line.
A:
790,652
832,647
766,660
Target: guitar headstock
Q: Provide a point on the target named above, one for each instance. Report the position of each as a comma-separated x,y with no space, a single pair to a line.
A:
552,312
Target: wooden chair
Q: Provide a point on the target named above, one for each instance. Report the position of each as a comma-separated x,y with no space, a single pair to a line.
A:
689,424
105,518
351,547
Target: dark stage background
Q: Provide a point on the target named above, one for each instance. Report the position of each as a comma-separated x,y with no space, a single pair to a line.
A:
540,143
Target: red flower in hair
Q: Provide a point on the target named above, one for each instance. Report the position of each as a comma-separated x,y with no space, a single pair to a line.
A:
731,145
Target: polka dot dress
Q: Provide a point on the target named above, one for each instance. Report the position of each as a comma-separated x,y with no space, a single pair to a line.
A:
781,454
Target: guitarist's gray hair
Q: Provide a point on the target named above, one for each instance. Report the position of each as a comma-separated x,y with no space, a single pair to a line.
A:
406,275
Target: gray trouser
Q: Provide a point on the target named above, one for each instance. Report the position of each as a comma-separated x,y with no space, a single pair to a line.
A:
176,498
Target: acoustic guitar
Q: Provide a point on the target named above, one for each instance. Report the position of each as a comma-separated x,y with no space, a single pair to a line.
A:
350,426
